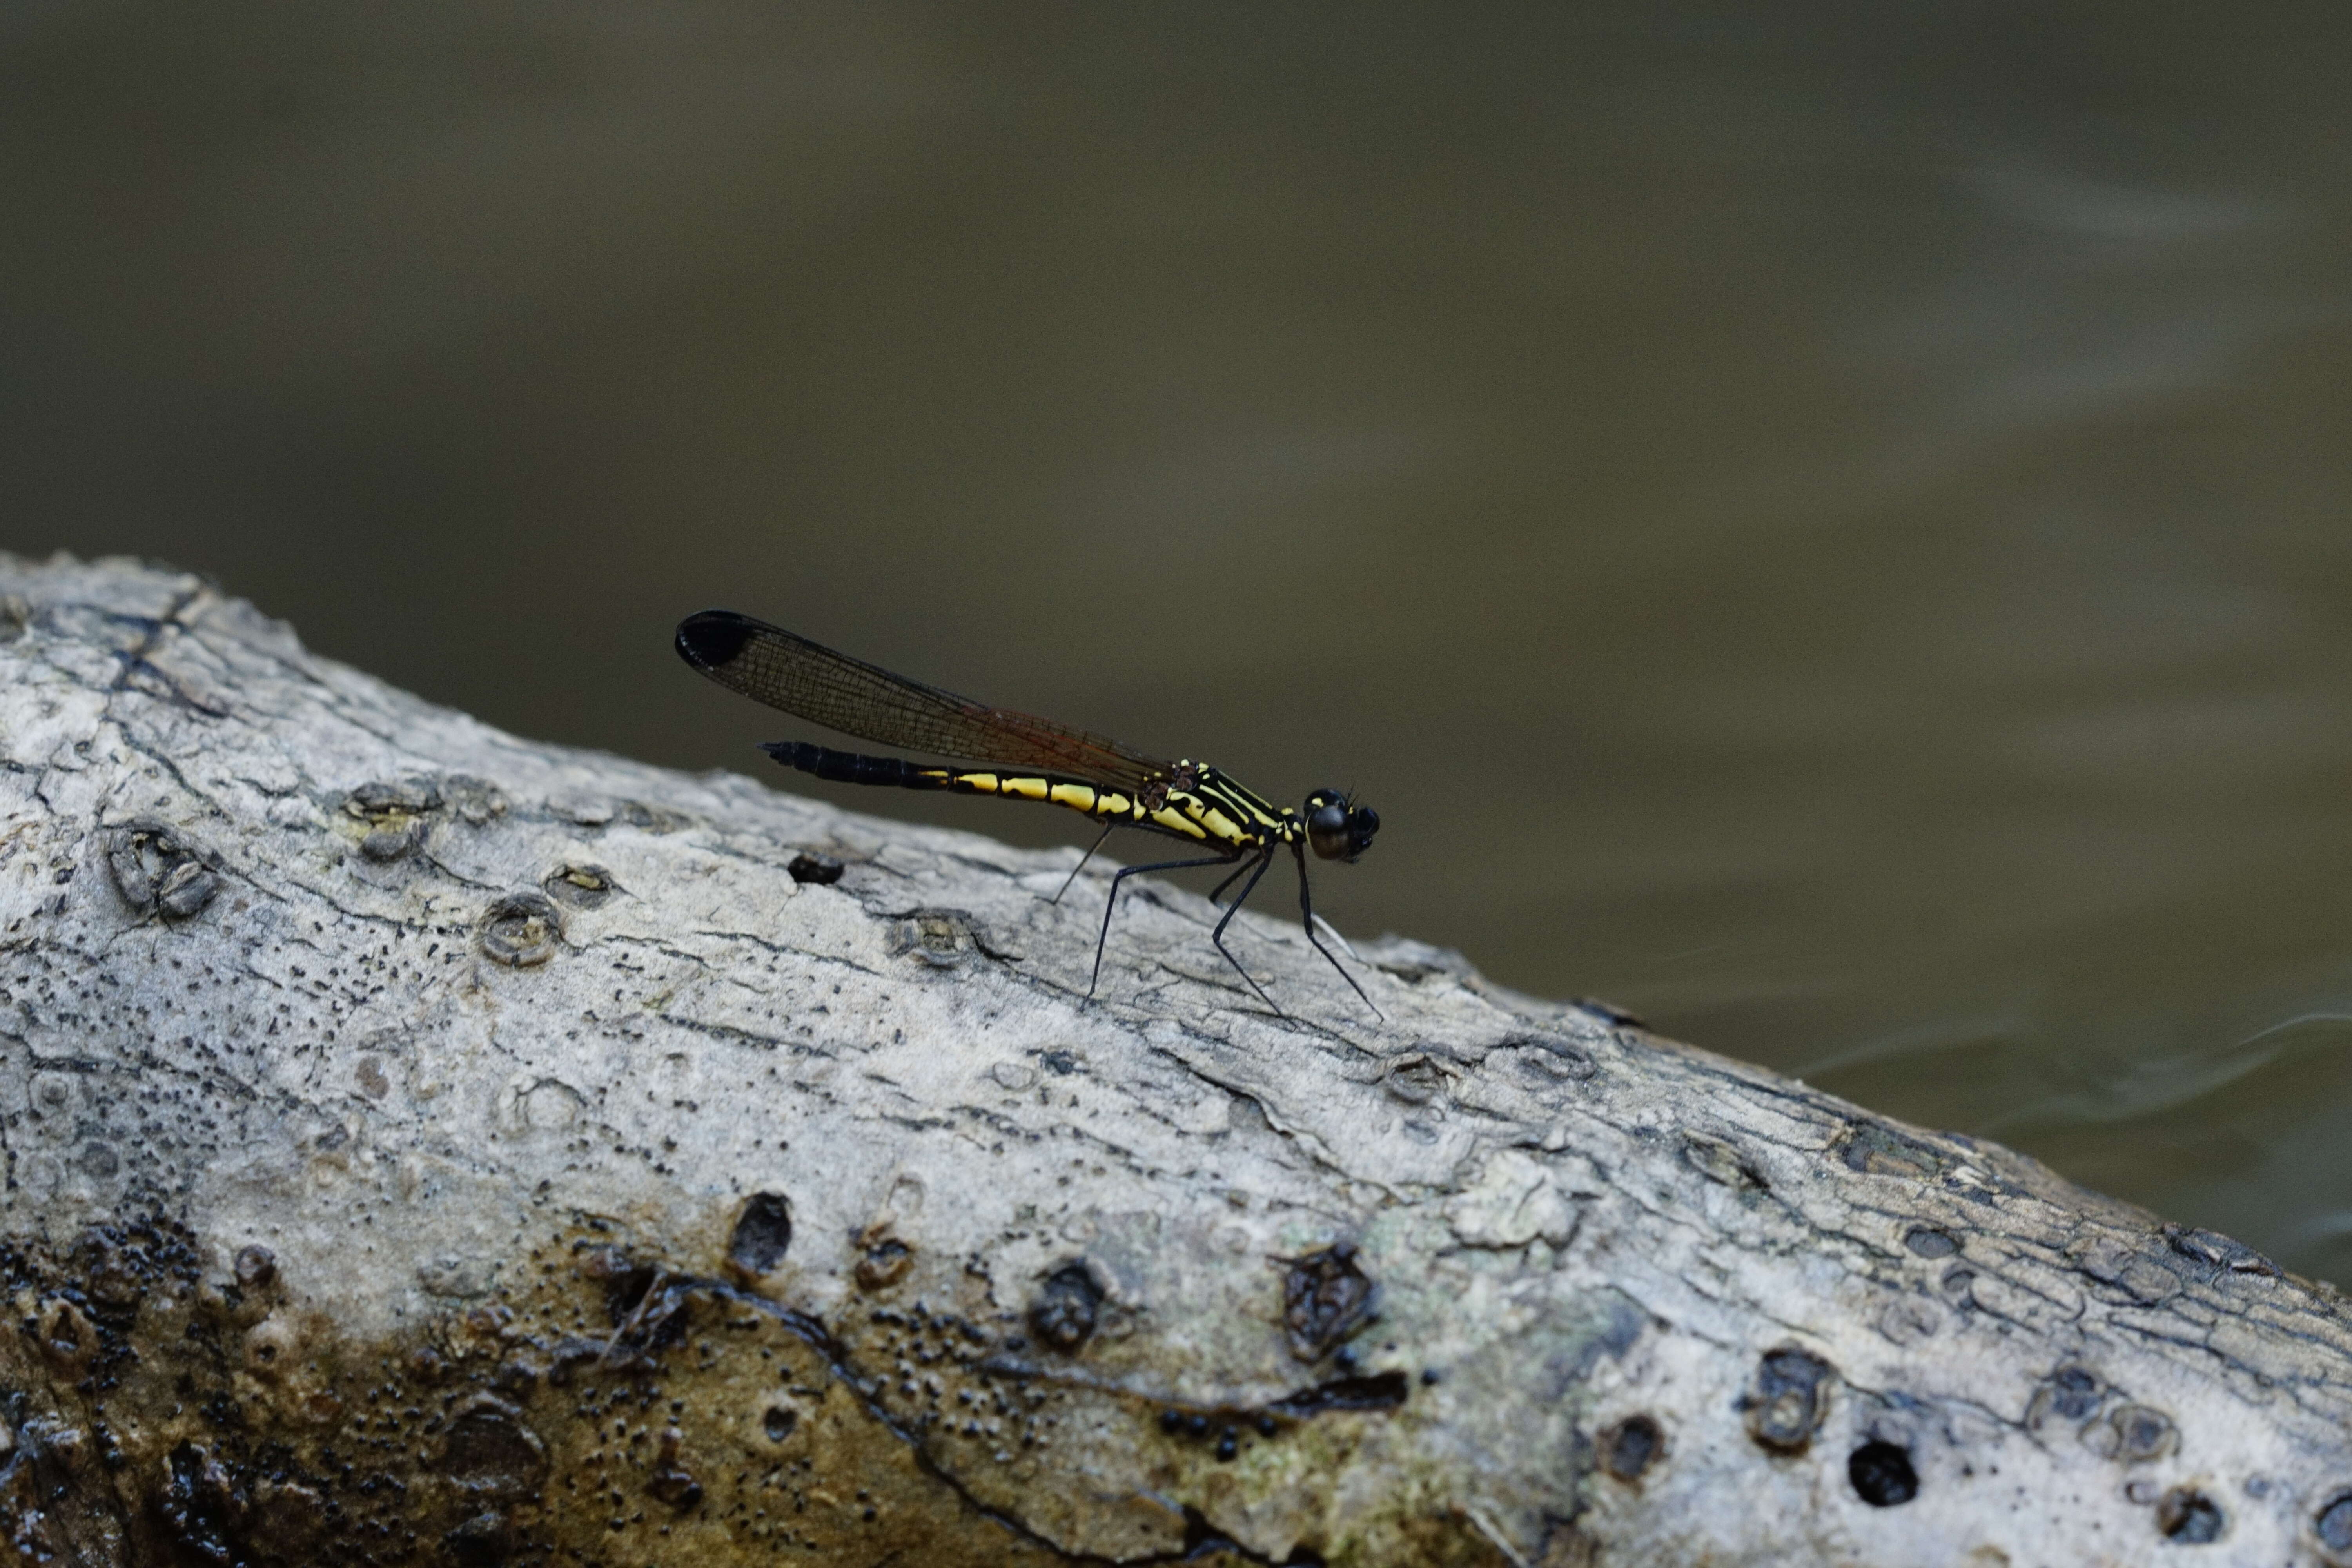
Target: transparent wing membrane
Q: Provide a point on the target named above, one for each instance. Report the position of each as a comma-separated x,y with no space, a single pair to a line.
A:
811,681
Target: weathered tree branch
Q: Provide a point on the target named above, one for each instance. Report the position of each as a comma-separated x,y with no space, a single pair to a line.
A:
424,1145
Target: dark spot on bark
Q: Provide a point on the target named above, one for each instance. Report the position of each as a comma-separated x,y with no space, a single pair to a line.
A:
258,1266
1553,1057
884,1263
659,1320
652,819
1926,1242
2073,1393
201,1505
372,1081
392,840
1063,1315
1062,1064
1789,1401
822,869
1882,1152
625,1279
2140,1434
159,871
672,1482
582,887
943,938
1415,1080
394,814
489,1449
2126,1263
1203,1541
520,930
482,1542
1720,1162
1171,1422
99,1160
517,1376
1381,1391
762,1232
376,801
1268,1426
68,1337
1196,1426
1631,1447
1431,1376
117,1272
474,800
780,1423
2187,1516
2333,1522
2223,1254
1229,1443
1881,1474
1326,1297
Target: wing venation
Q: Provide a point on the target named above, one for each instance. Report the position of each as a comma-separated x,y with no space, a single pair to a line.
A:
811,681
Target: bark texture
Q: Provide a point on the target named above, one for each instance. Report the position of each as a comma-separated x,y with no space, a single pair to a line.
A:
424,1145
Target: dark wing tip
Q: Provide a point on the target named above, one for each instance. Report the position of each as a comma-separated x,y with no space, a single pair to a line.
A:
710,640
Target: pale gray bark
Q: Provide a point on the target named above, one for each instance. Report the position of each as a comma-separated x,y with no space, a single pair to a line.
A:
298,961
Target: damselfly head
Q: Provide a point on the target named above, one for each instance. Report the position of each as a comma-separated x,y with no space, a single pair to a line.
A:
1338,828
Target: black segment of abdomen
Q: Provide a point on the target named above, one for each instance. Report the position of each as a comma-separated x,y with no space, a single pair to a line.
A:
852,767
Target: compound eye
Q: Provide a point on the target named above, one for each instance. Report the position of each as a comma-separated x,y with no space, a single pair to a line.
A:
1363,823
1326,829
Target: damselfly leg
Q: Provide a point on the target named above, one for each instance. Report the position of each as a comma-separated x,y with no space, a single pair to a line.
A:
1219,890
1307,910
1082,863
1112,902
1256,870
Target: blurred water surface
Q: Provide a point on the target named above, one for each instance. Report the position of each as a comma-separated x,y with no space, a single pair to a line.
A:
1824,524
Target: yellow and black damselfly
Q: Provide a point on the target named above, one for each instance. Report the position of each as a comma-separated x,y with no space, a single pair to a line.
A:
1001,753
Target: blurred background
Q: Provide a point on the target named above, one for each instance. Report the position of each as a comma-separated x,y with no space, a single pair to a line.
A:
1825,524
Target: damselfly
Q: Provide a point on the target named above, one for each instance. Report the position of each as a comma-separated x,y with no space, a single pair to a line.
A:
995,751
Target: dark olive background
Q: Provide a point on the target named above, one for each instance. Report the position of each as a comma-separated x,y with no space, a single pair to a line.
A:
1824,524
